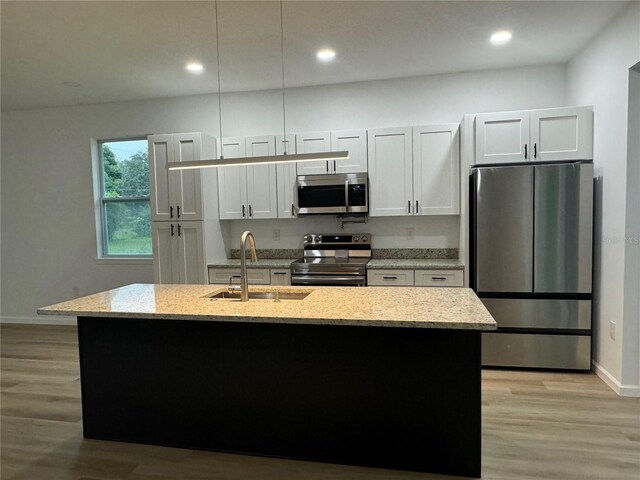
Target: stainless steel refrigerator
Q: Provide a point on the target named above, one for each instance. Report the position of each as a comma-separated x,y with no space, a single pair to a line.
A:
531,262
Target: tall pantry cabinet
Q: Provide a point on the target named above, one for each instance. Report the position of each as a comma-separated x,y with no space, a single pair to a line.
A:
179,203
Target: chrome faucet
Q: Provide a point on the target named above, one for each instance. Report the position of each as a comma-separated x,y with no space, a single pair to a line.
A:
244,282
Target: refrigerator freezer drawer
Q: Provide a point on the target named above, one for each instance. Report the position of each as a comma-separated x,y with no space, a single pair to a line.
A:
540,313
536,351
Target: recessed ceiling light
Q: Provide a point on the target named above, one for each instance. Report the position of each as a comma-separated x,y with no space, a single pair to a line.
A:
195,67
326,54
501,37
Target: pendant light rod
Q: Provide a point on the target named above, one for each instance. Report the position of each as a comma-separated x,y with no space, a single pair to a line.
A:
284,112
267,160
219,89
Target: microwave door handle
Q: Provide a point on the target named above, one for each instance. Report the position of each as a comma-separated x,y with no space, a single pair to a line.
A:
346,194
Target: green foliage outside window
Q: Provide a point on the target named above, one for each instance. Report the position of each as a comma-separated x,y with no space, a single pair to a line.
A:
127,222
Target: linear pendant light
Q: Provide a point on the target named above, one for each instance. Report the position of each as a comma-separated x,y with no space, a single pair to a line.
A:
266,160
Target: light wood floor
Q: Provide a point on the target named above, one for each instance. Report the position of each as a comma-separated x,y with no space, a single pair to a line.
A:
535,426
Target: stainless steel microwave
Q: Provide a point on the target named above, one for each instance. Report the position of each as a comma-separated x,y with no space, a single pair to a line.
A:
332,194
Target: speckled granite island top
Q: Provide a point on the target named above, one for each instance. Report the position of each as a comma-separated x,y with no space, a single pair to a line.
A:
419,307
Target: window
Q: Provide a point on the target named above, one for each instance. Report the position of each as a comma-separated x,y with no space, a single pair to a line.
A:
126,213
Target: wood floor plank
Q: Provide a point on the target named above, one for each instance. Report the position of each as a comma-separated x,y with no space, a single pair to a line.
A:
536,425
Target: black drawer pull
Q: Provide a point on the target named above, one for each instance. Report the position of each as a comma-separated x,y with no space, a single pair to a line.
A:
438,278
389,278
278,273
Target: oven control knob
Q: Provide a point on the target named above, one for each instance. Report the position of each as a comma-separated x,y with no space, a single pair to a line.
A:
307,238
365,238
356,239
319,238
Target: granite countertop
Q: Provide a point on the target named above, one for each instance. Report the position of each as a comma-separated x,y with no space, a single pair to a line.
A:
417,263
416,307
264,263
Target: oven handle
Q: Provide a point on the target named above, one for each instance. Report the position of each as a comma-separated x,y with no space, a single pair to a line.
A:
325,280
346,193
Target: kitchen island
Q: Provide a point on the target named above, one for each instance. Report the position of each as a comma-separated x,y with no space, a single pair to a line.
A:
386,377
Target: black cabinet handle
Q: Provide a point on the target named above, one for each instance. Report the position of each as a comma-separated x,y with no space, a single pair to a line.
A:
179,234
409,205
525,151
417,209
250,211
170,211
327,162
172,229
335,169
293,211
535,150
178,209
278,273
389,278
243,212
438,278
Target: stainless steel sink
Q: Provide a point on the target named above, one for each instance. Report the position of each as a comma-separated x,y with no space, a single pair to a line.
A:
261,296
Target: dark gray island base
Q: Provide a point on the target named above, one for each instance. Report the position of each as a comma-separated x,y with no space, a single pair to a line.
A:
399,398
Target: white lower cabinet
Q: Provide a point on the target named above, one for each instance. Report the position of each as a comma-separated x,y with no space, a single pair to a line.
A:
418,278
178,252
280,276
256,276
439,278
390,278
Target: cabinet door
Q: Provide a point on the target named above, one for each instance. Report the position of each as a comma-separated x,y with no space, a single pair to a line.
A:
190,252
502,137
165,252
436,170
188,186
280,276
355,142
314,143
286,178
562,134
232,182
390,172
161,181
262,195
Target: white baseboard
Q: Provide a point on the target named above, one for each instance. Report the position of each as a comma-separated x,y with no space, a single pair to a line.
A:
614,384
40,320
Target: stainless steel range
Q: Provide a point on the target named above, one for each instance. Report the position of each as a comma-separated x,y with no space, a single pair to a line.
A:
333,260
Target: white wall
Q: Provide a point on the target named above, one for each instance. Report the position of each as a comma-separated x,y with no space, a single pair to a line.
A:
48,225
599,76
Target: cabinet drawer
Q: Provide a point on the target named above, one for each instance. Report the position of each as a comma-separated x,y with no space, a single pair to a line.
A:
280,276
439,278
256,276
392,278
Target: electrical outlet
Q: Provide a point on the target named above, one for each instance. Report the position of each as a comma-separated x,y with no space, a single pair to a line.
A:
612,330
276,234
410,233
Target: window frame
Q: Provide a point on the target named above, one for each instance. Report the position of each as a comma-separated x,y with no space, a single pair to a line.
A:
103,200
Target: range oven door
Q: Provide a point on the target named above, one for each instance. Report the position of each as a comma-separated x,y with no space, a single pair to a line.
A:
332,194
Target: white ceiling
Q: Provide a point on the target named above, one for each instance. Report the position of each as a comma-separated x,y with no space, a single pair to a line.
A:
138,49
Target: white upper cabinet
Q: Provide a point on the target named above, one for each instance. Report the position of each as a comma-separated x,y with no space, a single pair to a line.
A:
315,142
262,195
436,170
161,181
177,195
232,181
248,191
502,137
188,185
286,177
355,142
562,134
552,134
390,171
